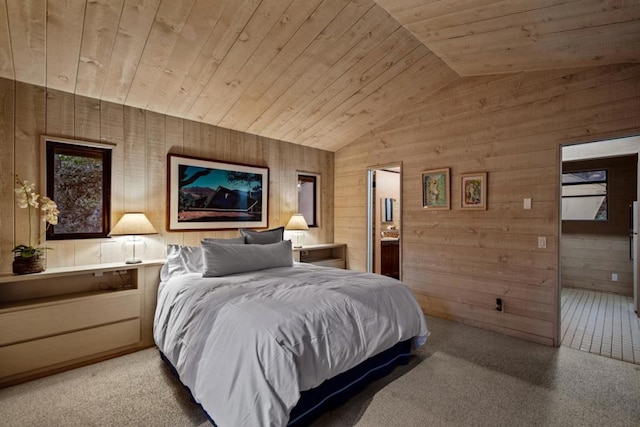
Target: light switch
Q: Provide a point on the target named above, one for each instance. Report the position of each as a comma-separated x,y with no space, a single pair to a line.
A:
542,242
527,203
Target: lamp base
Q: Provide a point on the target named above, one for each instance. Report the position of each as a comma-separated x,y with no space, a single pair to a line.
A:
133,261
297,239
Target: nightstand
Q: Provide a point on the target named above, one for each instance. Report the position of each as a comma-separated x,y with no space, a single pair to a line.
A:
324,254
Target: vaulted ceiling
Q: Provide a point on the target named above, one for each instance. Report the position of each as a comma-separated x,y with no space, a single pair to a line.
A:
315,72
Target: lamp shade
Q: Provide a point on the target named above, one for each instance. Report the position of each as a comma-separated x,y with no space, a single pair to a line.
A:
133,224
297,222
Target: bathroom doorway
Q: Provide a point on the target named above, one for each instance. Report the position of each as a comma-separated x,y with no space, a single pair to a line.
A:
598,259
384,220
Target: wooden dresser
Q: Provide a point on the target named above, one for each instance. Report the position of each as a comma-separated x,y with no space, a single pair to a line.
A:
67,317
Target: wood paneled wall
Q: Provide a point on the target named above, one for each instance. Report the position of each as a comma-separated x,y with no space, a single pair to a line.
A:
458,262
588,260
142,140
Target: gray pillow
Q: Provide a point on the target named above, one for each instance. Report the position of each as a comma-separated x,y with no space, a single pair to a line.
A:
263,237
221,260
234,241
188,259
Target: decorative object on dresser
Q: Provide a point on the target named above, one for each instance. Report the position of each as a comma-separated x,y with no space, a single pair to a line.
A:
133,224
473,191
208,194
435,189
31,258
297,224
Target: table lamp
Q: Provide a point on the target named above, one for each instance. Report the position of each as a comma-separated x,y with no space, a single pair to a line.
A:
298,224
133,224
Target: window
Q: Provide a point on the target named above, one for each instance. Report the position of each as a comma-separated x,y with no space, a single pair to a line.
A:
78,179
584,195
308,198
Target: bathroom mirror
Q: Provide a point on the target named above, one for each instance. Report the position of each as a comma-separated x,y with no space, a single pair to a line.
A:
387,209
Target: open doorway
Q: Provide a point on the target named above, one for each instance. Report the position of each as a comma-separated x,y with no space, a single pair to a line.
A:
598,267
384,213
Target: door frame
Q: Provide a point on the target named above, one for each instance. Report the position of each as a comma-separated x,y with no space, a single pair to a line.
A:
372,205
623,151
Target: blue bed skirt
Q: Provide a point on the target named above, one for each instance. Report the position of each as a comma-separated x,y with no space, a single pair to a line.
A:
340,388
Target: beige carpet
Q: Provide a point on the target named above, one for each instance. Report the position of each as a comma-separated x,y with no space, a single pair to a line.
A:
464,376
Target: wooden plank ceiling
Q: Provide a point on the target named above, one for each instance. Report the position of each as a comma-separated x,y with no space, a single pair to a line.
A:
477,37
319,73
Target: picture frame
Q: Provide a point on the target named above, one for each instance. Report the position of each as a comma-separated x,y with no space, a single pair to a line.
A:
473,191
436,189
205,194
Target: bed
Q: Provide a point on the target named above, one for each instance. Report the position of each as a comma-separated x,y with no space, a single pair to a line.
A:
262,341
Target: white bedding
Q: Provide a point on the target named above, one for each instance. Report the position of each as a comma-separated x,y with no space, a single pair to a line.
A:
247,344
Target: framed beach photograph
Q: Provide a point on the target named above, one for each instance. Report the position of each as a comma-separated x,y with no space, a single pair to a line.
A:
473,191
211,195
435,189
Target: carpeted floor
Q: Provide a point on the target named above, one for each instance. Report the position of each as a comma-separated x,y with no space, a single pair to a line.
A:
463,376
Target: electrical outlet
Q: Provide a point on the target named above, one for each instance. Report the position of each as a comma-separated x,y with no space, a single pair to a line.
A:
542,242
526,204
614,277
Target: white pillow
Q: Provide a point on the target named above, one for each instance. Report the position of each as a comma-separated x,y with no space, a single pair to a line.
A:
188,259
181,260
221,260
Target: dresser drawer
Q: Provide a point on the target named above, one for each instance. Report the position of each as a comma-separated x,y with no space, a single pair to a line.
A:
67,316
27,356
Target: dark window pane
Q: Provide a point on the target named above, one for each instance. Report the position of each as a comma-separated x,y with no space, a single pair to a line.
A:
308,198
79,181
584,195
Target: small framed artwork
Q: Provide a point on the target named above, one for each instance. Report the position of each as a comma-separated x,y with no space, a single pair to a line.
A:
435,189
473,191
208,195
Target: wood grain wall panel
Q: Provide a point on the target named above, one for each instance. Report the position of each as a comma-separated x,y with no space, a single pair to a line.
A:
27,21
142,140
392,50
59,116
155,181
98,34
319,22
458,262
489,37
87,119
174,142
6,56
112,131
135,166
339,52
64,37
29,116
7,166
199,52
133,30
589,260
60,113
264,37
164,34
